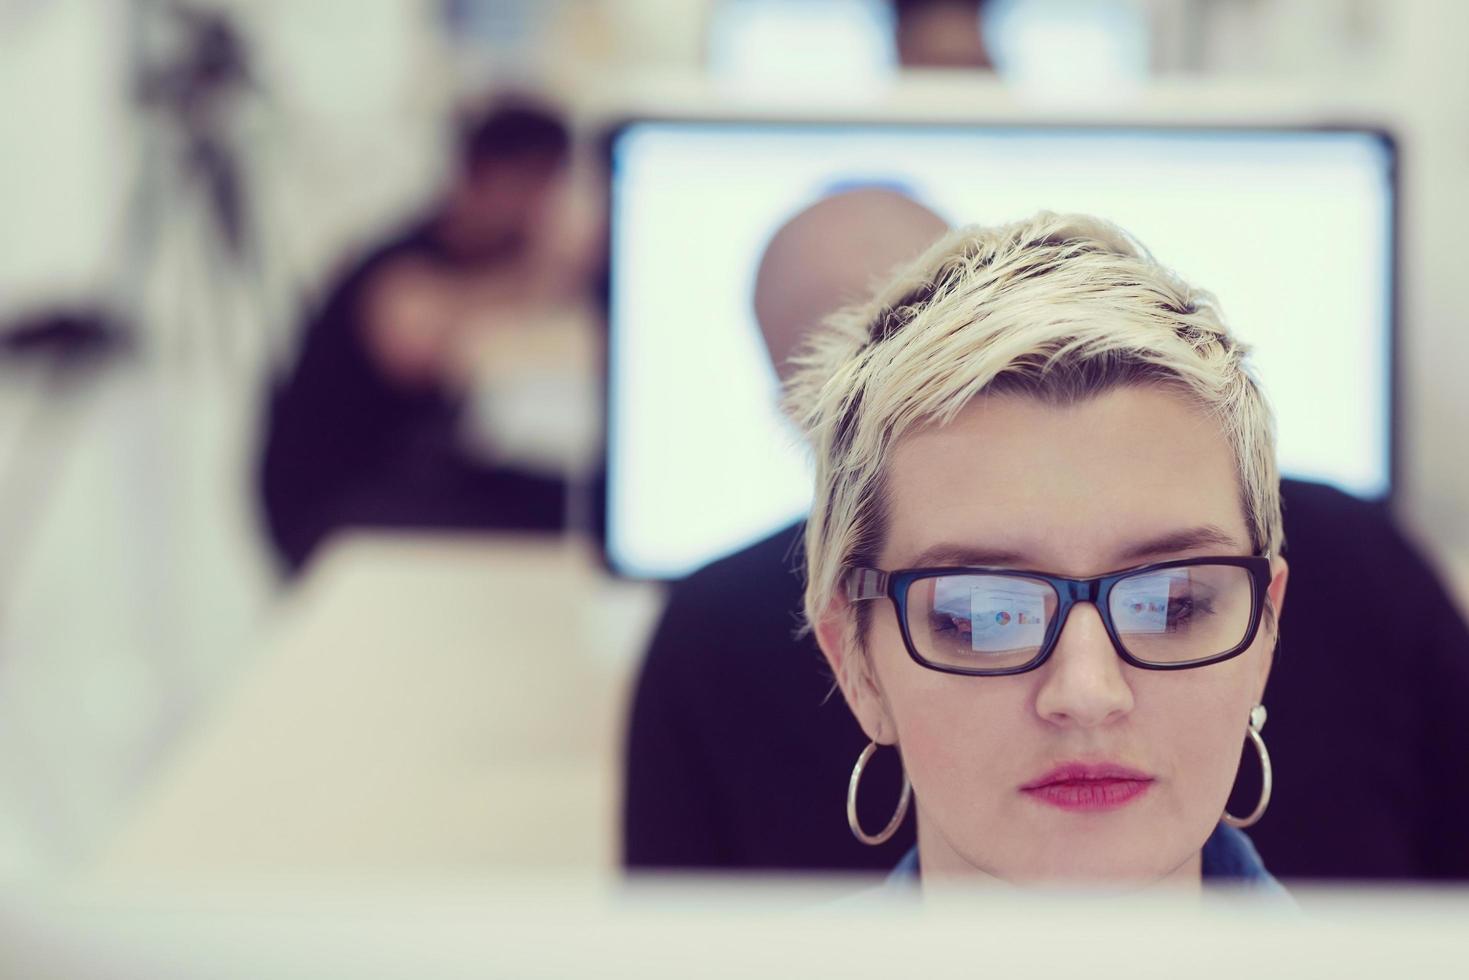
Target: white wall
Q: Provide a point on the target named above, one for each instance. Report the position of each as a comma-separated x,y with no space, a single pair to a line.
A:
59,184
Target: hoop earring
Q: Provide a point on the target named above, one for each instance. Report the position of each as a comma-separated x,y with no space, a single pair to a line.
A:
1257,722
887,832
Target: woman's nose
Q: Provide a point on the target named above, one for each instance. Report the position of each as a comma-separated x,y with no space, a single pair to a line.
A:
1082,683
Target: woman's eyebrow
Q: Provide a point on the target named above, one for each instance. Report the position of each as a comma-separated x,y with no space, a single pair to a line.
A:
958,554
1205,535
1186,539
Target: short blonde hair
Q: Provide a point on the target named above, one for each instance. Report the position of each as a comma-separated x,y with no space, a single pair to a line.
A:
1057,307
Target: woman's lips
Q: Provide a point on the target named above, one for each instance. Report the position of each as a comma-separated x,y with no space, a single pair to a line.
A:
1083,786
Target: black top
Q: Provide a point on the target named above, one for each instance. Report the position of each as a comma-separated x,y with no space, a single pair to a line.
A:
740,748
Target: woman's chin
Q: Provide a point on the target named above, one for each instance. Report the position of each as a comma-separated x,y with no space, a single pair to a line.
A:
1120,862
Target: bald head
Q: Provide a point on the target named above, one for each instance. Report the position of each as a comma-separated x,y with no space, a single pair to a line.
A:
832,254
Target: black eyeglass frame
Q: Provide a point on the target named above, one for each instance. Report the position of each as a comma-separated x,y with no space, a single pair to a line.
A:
871,583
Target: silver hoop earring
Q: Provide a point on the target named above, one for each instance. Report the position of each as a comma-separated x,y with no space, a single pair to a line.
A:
887,832
1257,722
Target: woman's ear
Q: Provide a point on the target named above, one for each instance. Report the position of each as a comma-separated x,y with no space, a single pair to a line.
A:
836,634
1275,593
1279,572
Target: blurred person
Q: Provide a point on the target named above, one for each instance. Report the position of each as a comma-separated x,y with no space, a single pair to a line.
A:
940,34
374,426
842,246
1371,752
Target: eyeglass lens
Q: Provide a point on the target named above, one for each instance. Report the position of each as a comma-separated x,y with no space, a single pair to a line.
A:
999,622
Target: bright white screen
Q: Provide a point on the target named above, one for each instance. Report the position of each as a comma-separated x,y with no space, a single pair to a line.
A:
1292,230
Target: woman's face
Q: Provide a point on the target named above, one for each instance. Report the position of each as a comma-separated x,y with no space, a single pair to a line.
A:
1073,491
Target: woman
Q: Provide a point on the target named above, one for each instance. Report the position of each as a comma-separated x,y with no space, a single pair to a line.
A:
1043,558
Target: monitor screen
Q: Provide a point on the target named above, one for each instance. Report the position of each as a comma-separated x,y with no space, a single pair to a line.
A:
1293,230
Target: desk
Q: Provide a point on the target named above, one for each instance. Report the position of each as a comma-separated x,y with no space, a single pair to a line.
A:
424,704
531,927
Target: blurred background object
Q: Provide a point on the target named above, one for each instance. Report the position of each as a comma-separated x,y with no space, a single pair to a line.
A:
184,184
366,428
192,77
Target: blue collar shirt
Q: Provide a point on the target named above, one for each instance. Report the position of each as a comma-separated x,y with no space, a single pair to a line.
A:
1228,859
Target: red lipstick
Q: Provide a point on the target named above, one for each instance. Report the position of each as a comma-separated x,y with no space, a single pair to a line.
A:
1083,786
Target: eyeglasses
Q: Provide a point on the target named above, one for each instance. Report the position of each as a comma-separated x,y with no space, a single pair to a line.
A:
1170,615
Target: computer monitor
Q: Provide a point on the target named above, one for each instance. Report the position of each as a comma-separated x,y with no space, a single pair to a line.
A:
1292,228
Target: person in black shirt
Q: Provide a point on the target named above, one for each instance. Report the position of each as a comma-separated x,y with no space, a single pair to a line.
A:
364,430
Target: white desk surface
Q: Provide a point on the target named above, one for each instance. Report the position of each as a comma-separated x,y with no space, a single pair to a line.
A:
534,927
426,704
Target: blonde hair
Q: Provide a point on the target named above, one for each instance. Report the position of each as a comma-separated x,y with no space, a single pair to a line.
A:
1056,307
